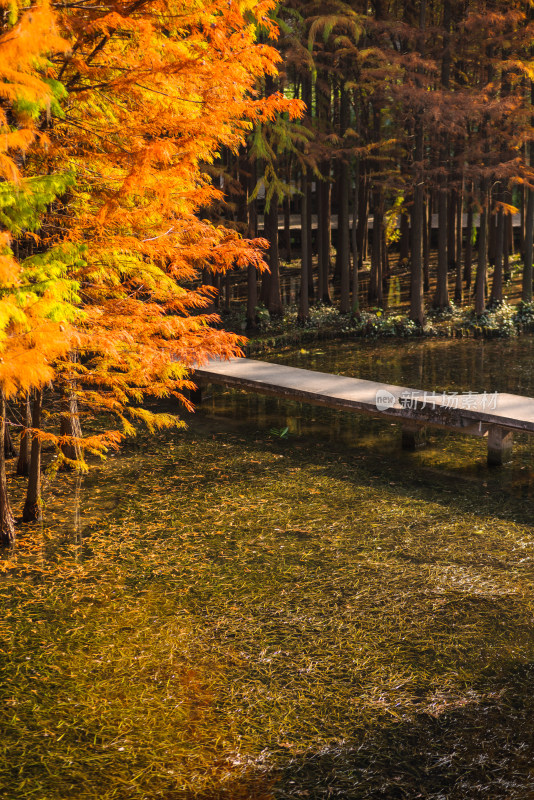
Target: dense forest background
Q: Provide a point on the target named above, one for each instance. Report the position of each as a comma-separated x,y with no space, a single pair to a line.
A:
415,111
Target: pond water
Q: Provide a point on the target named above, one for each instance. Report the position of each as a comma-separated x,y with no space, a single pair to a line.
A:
434,365
505,365
224,613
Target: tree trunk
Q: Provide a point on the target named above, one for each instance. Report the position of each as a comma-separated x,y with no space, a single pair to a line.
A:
274,301
386,271
227,290
70,426
309,220
7,522
23,461
506,244
363,220
9,447
287,226
375,278
252,232
526,294
324,227
492,235
417,311
305,244
459,238
404,243
451,230
468,265
427,240
320,235
511,234
343,238
32,511
480,283
497,284
523,213
354,236
307,96
441,297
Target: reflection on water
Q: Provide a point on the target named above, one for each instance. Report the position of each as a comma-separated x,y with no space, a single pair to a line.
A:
435,365
442,364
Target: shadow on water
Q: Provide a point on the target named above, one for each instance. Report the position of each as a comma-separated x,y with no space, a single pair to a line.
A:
481,750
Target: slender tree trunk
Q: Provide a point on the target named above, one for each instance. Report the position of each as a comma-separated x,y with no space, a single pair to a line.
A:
227,290
70,421
404,243
287,224
417,311
23,461
492,236
511,234
375,278
336,193
269,234
9,447
459,237
497,284
468,264
70,426
252,276
363,220
480,283
7,521
32,511
304,310
320,235
386,271
324,225
523,201
506,251
427,239
355,254
265,281
526,294
451,229
307,217
309,222
274,303
441,297
343,233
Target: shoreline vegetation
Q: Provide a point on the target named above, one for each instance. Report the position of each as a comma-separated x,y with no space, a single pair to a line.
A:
326,322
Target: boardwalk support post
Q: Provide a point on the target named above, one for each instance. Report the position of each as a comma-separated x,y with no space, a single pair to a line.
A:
500,441
413,436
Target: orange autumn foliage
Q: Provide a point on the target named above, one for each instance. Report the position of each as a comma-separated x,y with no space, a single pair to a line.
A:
155,89
34,327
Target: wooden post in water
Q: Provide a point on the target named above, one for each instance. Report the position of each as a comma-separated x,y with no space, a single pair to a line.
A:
413,436
500,443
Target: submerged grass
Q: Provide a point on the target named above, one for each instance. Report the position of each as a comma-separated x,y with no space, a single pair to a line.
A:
237,616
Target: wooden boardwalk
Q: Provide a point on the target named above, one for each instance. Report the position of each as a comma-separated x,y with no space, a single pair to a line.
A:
494,415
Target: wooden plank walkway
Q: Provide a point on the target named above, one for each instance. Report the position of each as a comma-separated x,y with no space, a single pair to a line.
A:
493,415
